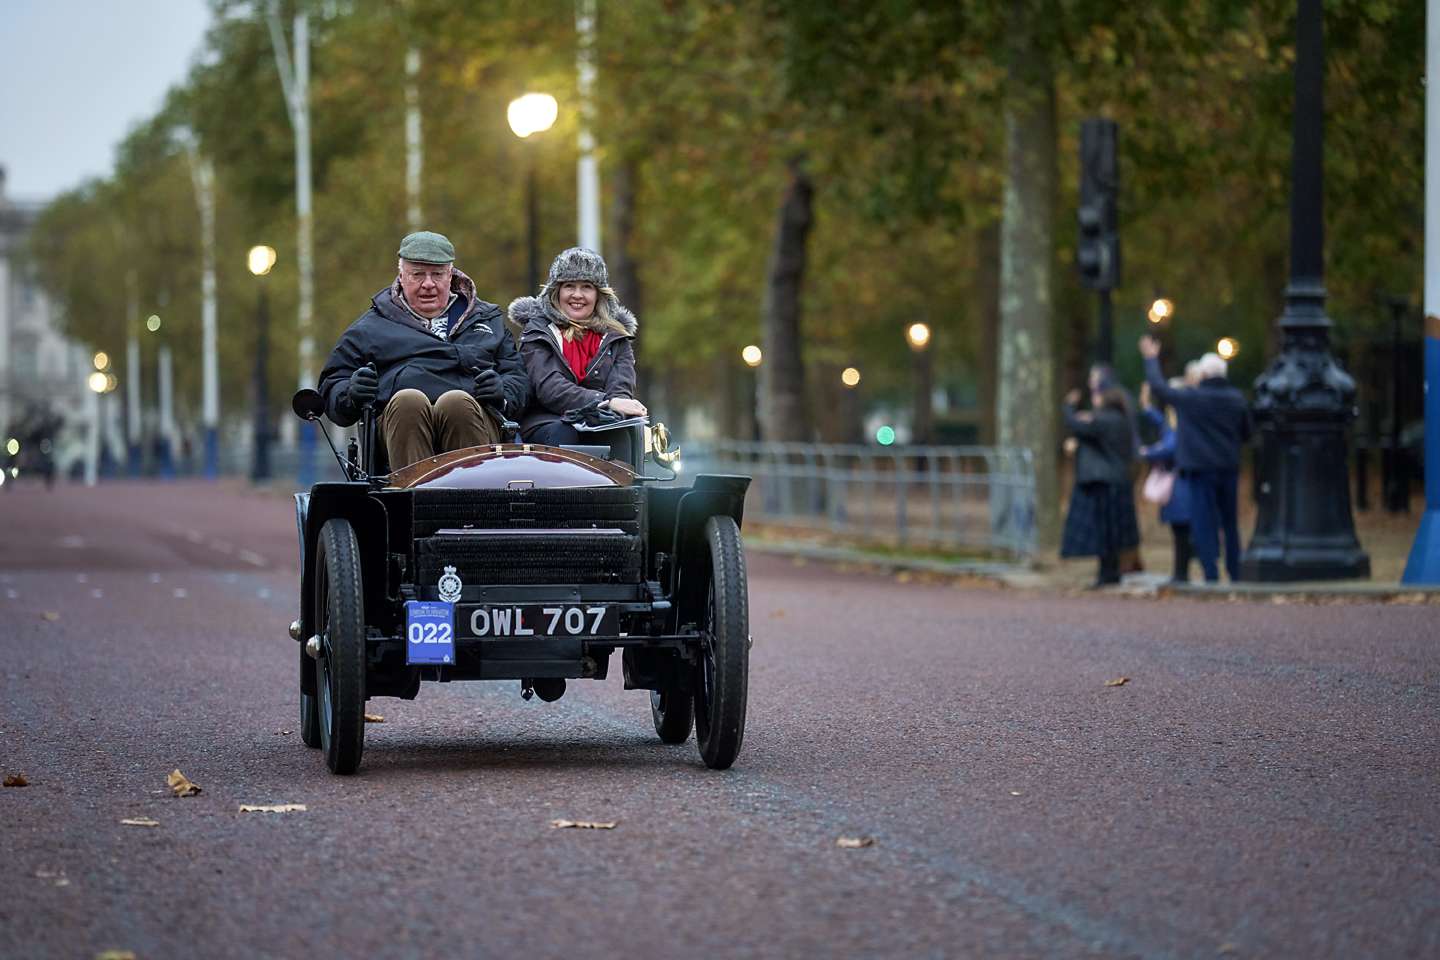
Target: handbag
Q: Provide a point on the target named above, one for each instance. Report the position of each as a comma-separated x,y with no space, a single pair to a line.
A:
1159,486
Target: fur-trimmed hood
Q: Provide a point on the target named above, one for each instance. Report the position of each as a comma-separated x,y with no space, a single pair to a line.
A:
539,312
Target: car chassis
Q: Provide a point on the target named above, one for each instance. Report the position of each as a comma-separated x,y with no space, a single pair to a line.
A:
520,562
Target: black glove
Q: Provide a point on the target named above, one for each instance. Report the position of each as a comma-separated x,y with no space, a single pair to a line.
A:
488,389
364,387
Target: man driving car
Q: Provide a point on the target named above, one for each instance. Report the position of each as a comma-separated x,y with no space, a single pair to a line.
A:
433,358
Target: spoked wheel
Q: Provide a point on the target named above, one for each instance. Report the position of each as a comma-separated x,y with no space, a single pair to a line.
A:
672,711
723,673
340,669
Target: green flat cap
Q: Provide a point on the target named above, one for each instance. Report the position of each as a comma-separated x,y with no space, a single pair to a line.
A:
427,247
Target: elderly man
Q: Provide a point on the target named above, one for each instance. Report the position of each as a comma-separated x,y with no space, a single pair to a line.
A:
1213,423
431,355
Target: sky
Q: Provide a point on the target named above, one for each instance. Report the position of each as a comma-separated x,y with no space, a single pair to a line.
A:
77,75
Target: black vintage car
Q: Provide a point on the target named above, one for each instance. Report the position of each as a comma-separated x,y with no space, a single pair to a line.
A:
521,562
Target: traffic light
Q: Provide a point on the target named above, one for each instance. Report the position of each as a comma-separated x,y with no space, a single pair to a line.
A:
1097,256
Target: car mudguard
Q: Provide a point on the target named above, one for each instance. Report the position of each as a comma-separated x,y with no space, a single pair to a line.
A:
353,502
711,495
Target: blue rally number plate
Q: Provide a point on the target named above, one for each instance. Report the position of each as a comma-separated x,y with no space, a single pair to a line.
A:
429,632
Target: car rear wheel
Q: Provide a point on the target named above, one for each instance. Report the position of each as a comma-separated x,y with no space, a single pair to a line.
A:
340,668
723,671
673,712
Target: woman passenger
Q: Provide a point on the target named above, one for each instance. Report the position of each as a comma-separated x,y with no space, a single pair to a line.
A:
1101,519
577,343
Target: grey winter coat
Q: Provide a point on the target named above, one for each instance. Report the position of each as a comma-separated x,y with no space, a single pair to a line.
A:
1106,446
610,374
406,354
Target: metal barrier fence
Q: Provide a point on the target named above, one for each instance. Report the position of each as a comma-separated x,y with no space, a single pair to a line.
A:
937,498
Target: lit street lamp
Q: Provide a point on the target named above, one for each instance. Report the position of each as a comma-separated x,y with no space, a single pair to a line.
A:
850,377
260,260
528,115
917,335
751,355
1228,348
1161,311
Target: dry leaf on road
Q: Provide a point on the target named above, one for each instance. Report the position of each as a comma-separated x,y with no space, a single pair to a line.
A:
854,843
50,615
581,825
17,780
140,822
181,785
374,718
272,808
1117,682
115,955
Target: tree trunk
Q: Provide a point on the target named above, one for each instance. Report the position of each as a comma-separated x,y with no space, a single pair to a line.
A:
988,294
782,374
1026,401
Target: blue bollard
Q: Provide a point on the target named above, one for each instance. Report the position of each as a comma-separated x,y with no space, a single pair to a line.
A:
1423,567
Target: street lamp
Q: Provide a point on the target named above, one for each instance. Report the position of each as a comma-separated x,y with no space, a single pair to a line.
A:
1161,311
751,355
260,259
850,377
917,335
1304,401
528,115
1228,348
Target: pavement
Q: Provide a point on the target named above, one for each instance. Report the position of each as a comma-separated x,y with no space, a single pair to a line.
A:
1038,773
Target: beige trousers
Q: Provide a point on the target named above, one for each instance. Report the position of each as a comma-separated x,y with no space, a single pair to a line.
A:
414,428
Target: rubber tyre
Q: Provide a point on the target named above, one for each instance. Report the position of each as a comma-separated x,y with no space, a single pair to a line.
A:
340,668
673,713
723,672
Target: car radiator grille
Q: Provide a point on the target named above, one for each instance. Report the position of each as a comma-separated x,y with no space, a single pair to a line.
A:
590,535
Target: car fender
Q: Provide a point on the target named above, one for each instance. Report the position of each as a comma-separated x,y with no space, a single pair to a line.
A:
711,495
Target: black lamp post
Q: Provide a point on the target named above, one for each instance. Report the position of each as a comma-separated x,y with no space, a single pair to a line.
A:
528,115
261,259
1304,401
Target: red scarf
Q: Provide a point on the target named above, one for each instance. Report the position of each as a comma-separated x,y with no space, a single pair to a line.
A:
579,353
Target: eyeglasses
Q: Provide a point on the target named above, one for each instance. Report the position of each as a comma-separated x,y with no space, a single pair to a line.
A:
436,276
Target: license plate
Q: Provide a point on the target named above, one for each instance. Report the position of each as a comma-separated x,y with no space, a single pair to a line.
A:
539,620
429,632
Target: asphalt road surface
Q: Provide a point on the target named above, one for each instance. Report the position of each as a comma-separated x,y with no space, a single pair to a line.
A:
1264,785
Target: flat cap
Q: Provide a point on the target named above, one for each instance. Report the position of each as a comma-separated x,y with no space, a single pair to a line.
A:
427,247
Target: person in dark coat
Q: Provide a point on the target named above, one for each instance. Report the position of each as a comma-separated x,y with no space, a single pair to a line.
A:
577,342
431,355
1101,519
1213,422
1161,455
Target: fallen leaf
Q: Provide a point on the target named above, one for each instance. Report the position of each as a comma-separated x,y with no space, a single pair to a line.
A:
581,825
115,955
140,822
1117,682
903,576
50,615
282,733
854,843
374,718
272,808
17,780
1014,793
181,785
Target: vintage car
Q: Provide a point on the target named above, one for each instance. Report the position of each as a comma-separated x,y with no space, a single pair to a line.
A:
521,562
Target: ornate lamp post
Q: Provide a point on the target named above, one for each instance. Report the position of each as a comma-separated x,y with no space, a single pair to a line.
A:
260,260
917,335
1304,402
530,114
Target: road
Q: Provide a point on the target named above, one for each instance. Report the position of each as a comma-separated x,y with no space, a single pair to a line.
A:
1264,785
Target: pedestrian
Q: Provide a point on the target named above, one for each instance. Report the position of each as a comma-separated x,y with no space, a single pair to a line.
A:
434,358
1101,519
1212,423
1164,485
577,342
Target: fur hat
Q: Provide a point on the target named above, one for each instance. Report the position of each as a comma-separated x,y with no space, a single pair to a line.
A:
576,265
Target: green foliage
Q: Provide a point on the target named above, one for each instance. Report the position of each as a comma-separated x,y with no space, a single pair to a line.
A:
896,106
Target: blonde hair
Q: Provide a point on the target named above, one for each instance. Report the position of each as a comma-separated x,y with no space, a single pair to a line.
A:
601,320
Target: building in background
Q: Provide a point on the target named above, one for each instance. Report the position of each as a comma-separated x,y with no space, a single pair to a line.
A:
41,371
